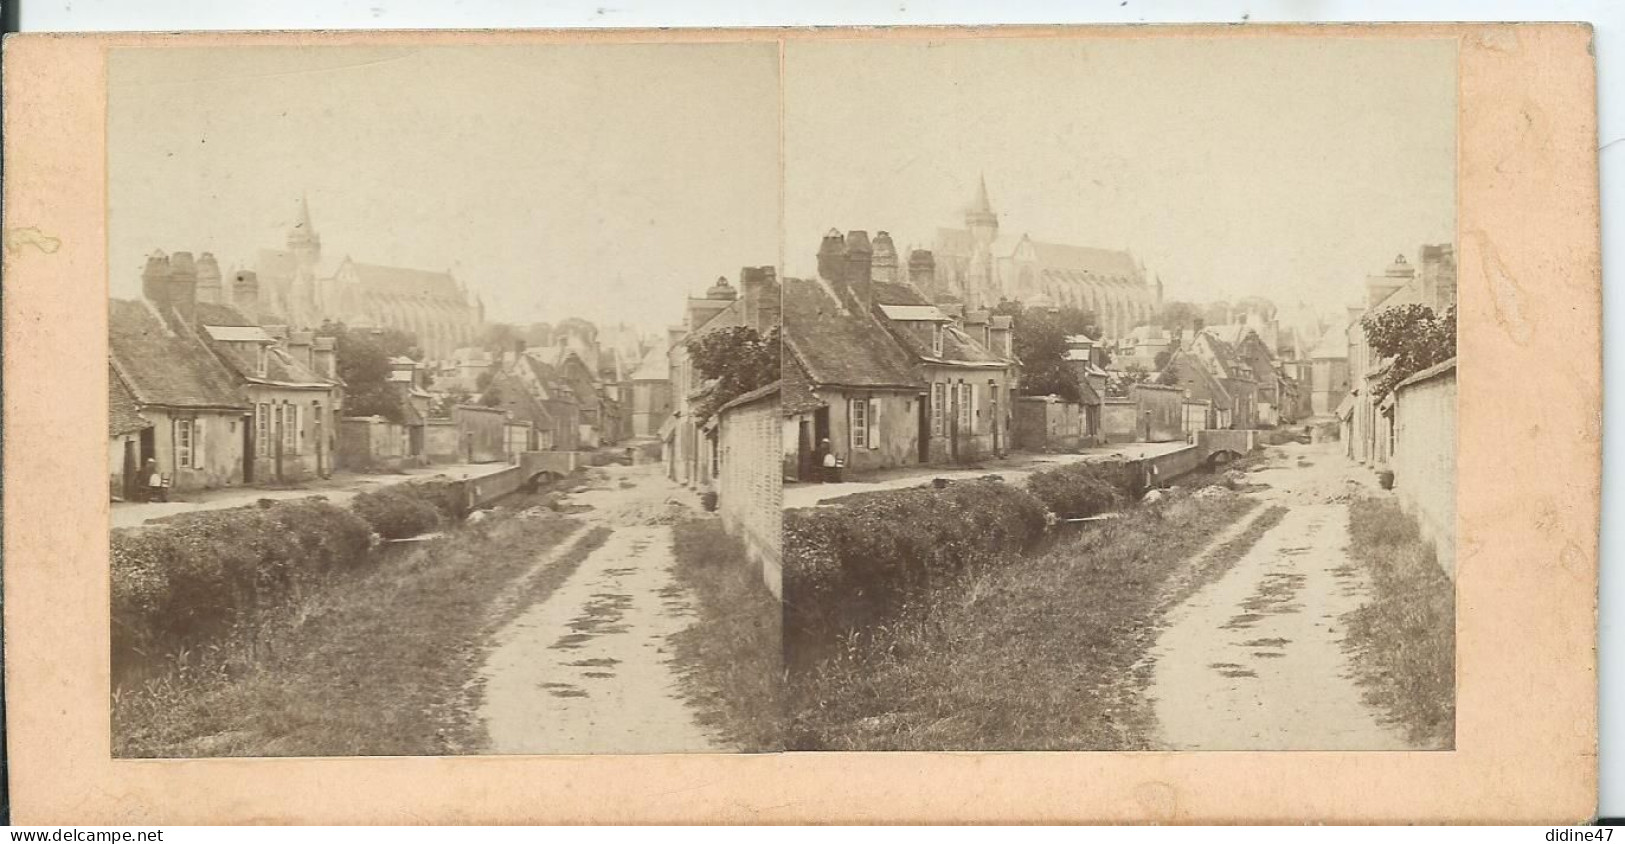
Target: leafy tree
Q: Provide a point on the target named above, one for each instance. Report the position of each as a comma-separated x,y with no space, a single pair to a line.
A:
492,397
500,337
1119,381
363,357
738,359
446,402
1168,377
1178,316
1413,337
1039,337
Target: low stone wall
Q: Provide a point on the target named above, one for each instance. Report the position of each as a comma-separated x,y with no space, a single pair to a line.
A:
1176,464
1224,439
557,462
488,488
1424,460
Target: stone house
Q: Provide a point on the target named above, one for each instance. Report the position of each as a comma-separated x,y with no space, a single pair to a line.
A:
291,381
196,414
689,440
902,381
1245,342
649,395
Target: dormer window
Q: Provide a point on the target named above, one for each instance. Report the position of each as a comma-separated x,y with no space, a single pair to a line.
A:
260,359
936,339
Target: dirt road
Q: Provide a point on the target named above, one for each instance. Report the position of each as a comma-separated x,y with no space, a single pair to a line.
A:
587,669
1254,660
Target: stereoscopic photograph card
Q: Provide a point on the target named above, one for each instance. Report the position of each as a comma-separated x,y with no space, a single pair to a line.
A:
950,425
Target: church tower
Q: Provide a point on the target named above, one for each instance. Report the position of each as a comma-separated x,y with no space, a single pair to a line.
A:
981,281
305,305
979,218
303,241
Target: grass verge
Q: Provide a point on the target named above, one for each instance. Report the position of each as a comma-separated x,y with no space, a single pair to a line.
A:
378,662
1035,653
730,660
1404,639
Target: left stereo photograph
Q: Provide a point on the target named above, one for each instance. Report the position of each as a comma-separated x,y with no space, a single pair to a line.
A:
443,400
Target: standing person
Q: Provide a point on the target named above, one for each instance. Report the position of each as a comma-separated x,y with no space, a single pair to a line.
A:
827,462
152,483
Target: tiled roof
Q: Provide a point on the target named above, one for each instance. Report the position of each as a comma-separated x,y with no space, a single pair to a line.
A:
164,365
123,414
280,367
754,395
1086,260
1231,364
519,401
840,347
898,293
795,389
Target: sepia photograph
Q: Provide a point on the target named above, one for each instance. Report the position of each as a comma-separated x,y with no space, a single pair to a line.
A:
832,395
867,425
442,414
1119,386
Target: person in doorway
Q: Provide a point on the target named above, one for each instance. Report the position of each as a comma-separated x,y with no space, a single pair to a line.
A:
152,482
828,465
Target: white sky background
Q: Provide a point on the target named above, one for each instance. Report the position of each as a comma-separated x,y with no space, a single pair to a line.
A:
1287,169
602,182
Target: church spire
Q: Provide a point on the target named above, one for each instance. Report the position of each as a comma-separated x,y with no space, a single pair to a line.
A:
302,238
980,218
981,205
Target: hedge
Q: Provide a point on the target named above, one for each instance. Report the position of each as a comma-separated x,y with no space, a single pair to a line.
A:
396,513
198,573
845,565
1081,490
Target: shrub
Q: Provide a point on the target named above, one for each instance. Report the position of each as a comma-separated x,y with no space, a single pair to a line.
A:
845,565
394,513
1072,494
199,572
448,496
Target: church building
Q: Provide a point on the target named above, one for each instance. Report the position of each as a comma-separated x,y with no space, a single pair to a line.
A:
298,287
978,266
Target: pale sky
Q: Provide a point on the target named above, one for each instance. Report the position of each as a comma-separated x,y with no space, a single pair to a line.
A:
610,181
1287,168
603,182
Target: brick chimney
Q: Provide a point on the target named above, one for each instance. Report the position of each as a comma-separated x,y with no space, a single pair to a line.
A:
770,309
183,286
155,280
750,296
245,291
208,280
323,357
832,258
922,271
860,266
884,265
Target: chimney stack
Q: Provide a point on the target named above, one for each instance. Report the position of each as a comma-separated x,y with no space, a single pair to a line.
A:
832,257
155,280
769,309
208,280
751,283
884,266
245,292
860,267
922,271
183,286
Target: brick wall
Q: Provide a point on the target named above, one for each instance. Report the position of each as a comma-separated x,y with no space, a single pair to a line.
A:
750,480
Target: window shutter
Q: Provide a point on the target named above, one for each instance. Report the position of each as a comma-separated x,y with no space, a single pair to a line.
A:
874,423
197,443
298,428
